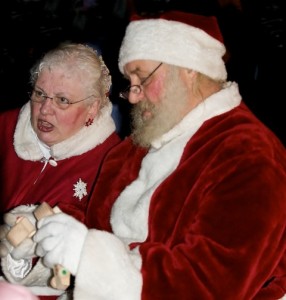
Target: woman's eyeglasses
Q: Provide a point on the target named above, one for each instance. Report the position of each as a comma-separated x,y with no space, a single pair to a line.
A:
60,102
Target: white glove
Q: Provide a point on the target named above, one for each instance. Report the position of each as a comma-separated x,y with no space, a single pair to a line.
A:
26,249
60,239
16,262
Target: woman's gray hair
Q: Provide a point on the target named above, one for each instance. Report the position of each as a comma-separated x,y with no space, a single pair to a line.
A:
80,57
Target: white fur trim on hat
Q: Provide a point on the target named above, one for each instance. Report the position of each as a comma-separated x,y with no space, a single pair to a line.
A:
174,43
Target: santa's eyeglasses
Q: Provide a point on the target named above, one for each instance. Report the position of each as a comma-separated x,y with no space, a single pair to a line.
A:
137,88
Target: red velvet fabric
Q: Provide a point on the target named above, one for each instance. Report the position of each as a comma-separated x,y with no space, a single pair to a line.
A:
22,182
217,224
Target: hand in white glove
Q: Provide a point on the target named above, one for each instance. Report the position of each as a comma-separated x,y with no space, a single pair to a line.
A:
60,239
26,249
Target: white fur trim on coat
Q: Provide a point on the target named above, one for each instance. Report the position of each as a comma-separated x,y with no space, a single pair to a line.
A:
107,270
161,160
27,147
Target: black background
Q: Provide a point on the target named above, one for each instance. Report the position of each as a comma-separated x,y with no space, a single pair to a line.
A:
254,34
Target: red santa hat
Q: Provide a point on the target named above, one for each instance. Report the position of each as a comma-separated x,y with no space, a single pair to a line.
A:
176,38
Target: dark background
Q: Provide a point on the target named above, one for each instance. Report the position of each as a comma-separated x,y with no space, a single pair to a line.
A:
253,31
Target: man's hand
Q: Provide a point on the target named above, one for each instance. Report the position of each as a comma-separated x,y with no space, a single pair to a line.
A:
60,239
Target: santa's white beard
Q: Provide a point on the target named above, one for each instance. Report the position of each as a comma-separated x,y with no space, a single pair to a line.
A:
163,115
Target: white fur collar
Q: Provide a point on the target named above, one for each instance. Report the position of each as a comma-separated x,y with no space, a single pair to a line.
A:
27,146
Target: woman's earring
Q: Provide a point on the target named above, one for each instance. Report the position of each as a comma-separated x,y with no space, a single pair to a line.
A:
89,122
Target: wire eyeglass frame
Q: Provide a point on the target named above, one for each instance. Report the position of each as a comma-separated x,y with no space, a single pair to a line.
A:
38,96
137,88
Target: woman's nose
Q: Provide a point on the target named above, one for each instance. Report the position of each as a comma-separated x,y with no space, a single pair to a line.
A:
46,106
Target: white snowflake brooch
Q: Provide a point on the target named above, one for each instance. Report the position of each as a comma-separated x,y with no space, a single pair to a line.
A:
80,189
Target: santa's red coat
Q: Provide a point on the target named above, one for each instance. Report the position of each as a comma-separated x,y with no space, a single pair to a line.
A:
217,224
